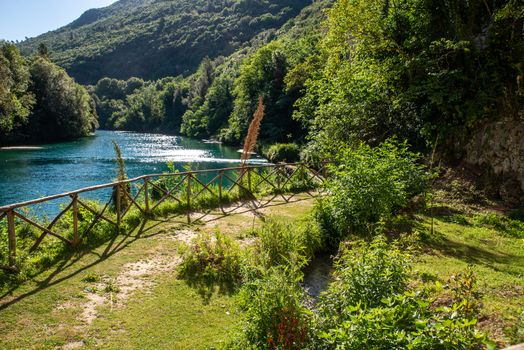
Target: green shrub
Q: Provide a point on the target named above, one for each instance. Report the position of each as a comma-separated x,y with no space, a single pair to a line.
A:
283,152
369,306
368,186
275,315
363,277
404,321
213,258
272,295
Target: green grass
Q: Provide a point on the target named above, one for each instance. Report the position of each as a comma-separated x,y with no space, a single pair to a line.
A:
463,237
170,314
173,317
167,314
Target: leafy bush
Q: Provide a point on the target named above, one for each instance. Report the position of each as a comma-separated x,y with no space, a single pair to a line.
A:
405,321
368,186
363,277
368,306
213,258
275,315
283,152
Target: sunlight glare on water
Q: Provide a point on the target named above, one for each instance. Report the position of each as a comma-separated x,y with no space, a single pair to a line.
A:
62,167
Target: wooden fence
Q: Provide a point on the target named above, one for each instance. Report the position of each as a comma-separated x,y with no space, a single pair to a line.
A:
188,190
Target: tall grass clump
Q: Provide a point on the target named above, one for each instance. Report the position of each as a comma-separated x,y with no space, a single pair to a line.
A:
285,244
212,259
368,187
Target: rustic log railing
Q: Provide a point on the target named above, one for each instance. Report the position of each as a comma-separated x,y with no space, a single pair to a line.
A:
188,190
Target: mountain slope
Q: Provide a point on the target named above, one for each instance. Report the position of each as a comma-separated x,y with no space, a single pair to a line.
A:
156,38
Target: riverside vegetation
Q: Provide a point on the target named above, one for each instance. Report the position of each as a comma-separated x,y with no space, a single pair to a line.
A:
422,259
407,275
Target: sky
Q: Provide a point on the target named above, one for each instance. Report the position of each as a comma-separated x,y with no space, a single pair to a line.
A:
29,18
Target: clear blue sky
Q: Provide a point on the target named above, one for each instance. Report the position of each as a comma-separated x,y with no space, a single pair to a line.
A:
21,18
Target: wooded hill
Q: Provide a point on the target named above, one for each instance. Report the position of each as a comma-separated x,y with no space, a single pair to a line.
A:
152,39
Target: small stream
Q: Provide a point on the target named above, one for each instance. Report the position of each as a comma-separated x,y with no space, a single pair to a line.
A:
317,275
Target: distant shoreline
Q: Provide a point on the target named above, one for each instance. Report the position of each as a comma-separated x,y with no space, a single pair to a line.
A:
20,148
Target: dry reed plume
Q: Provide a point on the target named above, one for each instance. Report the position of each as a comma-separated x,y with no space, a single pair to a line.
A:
253,131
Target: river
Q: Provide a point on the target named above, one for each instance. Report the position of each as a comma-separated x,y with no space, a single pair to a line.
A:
61,167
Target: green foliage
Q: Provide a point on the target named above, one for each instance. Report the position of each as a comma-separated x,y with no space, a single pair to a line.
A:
63,109
368,186
406,69
279,244
368,306
39,102
404,322
283,152
364,275
219,98
213,258
154,39
275,315
15,99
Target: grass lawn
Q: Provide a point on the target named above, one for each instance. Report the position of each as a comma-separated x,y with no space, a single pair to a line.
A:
483,237
126,295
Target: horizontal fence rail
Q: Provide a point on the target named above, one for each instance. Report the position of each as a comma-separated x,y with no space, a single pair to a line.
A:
148,196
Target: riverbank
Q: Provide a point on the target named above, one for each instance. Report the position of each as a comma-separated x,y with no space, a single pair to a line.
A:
126,294
20,148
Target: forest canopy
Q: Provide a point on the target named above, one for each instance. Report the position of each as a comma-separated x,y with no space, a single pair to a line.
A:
372,70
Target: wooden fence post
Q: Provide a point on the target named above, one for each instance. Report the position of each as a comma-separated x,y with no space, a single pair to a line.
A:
221,178
278,177
11,236
117,207
76,237
189,198
146,194
249,180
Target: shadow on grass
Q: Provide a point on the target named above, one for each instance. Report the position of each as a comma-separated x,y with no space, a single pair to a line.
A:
73,257
207,287
119,242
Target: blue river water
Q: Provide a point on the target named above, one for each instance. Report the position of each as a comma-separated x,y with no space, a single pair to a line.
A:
61,167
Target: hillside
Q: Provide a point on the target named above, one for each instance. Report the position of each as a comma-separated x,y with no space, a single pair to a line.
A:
156,38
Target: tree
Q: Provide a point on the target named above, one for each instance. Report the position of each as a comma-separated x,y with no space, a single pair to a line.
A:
43,50
15,101
63,109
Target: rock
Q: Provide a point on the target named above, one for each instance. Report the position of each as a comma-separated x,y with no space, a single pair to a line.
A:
498,148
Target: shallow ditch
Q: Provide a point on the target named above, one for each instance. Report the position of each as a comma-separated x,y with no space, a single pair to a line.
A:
317,275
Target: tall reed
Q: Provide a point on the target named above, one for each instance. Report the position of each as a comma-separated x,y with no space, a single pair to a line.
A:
253,131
